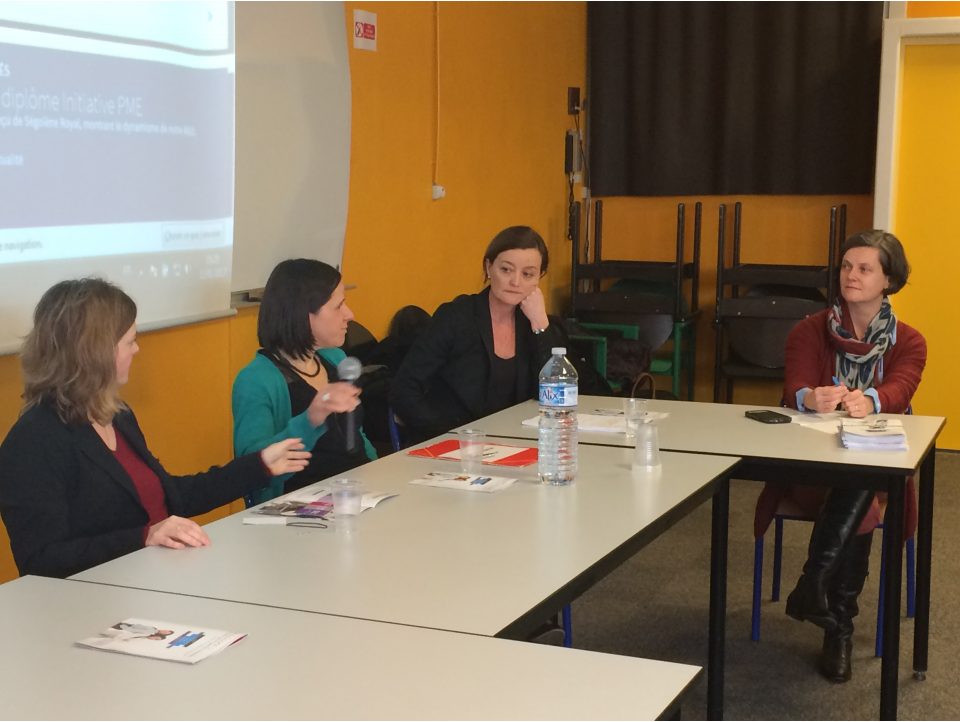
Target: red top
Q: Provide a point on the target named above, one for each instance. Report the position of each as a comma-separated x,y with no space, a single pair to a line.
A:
811,362
146,482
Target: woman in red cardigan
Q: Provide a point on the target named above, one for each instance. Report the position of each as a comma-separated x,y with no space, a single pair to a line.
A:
856,357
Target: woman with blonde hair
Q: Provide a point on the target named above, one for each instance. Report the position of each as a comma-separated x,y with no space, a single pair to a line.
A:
78,485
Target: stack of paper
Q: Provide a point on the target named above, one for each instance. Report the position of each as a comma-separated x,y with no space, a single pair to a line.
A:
878,434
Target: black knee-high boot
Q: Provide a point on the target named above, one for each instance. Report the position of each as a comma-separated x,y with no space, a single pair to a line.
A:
837,524
843,594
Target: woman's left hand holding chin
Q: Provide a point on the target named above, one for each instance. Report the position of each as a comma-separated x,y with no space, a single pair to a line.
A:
534,308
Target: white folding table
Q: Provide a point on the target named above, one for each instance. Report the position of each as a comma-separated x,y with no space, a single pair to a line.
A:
298,665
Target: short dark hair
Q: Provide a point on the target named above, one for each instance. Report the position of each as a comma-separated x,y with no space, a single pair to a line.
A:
893,259
516,237
296,288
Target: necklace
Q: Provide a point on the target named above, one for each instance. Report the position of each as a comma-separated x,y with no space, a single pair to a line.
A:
303,373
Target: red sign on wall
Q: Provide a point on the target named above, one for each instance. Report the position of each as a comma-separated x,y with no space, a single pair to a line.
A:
364,30
367,31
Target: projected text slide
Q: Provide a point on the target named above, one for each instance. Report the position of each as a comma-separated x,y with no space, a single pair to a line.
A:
96,140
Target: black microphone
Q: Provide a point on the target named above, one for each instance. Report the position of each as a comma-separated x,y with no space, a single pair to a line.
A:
349,370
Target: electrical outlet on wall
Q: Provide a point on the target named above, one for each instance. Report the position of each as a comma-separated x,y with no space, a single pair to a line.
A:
438,192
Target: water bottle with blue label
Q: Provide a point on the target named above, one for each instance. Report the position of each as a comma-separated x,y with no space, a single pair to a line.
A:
557,444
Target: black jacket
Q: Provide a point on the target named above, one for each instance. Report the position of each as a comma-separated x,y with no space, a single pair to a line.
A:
444,380
69,505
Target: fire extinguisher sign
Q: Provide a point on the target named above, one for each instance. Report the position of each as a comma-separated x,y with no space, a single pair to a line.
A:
364,30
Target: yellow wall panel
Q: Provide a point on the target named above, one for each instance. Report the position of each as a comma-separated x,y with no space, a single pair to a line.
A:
926,204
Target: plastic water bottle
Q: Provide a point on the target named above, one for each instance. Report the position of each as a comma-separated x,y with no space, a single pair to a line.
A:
557,444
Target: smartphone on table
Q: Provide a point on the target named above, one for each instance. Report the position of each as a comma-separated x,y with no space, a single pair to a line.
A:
767,417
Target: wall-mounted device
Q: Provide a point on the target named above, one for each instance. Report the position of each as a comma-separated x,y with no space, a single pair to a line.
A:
572,162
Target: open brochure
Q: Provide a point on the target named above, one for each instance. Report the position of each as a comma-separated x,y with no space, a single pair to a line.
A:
464,482
162,640
603,421
314,502
495,454
827,423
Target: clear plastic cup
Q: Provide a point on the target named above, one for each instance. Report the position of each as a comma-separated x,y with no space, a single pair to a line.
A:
646,452
633,412
346,497
472,443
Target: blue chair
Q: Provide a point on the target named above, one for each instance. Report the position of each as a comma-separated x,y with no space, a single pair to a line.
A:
789,512
394,429
566,614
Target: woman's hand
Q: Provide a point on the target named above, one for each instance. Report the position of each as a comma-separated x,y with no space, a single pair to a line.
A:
176,532
824,399
335,398
285,457
857,404
534,308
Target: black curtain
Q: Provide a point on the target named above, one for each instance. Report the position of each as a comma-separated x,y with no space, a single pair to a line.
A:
722,98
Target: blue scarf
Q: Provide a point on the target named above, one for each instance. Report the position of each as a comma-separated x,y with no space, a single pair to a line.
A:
858,361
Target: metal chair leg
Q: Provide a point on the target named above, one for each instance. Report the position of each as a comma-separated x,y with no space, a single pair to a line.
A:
777,558
881,601
911,578
757,585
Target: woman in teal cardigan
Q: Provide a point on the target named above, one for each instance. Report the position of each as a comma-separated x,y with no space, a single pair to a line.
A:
291,387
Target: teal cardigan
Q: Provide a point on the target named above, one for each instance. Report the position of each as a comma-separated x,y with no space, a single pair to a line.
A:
262,415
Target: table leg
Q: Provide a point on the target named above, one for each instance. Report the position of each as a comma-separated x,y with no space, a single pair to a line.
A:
893,523
718,599
921,624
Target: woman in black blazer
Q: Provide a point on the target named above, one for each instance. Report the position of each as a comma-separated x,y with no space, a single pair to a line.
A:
482,352
78,486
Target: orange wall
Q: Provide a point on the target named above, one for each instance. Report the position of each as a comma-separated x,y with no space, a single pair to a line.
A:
933,9
504,70
10,389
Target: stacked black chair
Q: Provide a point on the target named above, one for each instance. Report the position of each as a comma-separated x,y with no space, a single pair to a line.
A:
651,302
758,305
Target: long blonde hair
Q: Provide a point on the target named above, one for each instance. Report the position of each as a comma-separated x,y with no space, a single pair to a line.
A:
69,356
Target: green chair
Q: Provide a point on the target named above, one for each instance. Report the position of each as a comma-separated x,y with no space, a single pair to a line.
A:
678,358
